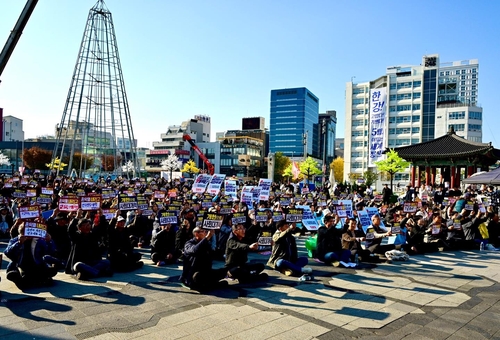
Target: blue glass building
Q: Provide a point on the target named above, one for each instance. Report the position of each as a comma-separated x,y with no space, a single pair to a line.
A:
294,114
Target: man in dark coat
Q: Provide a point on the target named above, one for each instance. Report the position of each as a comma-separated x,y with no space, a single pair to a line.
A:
85,258
197,272
237,257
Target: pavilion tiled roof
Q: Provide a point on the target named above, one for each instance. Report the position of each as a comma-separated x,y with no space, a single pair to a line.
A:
449,145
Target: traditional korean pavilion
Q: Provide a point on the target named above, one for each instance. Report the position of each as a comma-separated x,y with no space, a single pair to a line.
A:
449,153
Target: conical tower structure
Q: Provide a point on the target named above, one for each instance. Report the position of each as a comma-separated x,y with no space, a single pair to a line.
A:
95,134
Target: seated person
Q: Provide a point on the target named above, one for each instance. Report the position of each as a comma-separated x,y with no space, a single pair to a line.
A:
374,243
197,272
237,256
27,267
414,236
284,256
351,240
163,245
329,243
121,251
85,260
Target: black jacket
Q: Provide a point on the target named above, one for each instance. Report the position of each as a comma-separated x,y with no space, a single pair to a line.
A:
329,240
236,252
197,258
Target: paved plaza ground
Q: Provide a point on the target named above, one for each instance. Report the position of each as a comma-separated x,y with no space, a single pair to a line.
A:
446,295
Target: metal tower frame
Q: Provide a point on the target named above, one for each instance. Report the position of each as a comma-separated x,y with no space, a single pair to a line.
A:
96,113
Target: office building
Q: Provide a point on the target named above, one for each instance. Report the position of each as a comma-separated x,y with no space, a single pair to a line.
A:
294,119
410,104
253,123
172,142
327,133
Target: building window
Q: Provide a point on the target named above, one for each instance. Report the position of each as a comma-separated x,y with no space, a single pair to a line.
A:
392,86
417,83
415,118
416,95
456,115
415,107
358,101
475,127
475,115
404,96
403,107
457,127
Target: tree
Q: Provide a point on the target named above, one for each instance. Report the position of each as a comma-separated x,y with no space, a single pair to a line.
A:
338,169
309,168
108,162
392,164
86,161
36,158
171,163
281,162
191,168
4,160
128,168
370,177
56,164
287,173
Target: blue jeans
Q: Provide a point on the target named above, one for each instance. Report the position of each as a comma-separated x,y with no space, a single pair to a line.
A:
340,255
296,267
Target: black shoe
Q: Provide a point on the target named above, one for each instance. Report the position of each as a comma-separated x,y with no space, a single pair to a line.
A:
139,264
14,276
80,276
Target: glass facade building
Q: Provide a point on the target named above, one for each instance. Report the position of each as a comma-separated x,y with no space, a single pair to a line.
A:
294,122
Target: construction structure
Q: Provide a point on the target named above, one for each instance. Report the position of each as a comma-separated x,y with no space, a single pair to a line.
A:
96,114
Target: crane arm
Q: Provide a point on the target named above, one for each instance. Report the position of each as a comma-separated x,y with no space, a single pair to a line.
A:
15,34
210,166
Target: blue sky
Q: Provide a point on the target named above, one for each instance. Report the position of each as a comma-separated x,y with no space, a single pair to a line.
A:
222,58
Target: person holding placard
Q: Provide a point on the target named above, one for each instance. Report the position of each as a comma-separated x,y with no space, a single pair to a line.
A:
27,267
373,242
237,257
284,256
329,243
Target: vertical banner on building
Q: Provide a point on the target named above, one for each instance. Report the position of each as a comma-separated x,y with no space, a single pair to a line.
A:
378,109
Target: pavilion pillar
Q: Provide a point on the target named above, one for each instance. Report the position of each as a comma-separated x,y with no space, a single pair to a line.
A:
419,176
427,175
412,176
470,170
433,176
452,177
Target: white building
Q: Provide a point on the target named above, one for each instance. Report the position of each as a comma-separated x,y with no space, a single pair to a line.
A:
421,103
12,129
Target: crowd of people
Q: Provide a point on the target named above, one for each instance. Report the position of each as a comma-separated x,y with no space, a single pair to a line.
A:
92,229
